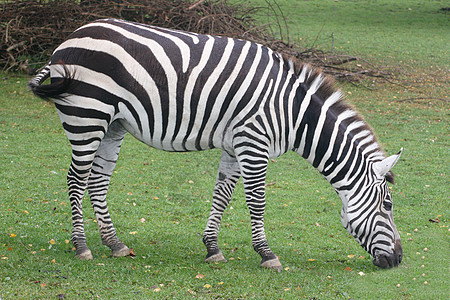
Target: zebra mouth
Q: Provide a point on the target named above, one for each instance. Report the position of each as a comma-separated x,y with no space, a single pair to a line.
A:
389,260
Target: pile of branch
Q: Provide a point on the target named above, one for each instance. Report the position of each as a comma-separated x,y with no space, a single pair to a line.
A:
30,30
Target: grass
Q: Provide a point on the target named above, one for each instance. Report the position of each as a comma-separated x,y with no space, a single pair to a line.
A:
172,193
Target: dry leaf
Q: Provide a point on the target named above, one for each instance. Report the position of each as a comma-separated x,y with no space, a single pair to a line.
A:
200,276
348,269
207,286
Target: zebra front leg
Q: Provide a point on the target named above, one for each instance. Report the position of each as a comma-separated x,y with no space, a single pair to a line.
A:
102,169
253,175
227,176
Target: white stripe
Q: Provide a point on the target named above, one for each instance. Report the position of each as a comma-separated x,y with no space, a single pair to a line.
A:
320,122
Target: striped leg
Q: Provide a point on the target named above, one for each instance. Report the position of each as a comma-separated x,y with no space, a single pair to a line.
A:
253,165
227,176
83,152
85,135
98,183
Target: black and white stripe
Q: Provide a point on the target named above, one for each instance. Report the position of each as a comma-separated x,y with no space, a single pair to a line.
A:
180,91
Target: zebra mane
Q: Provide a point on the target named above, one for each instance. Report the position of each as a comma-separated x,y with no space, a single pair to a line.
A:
326,89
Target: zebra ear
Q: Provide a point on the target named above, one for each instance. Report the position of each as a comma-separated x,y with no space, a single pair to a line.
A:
381,168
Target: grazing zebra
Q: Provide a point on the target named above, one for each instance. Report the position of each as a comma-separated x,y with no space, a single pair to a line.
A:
180,91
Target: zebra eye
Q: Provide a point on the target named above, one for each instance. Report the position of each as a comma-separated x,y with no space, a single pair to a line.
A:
387,205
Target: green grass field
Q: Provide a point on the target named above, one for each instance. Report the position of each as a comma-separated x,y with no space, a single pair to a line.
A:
160,201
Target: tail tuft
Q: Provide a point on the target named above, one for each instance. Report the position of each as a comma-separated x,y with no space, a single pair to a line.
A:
55,89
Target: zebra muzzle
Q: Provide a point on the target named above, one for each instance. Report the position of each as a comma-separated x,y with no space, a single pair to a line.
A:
387,261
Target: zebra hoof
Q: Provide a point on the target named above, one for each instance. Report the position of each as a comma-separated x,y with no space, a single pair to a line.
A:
85,255
216,258
272,264
123,251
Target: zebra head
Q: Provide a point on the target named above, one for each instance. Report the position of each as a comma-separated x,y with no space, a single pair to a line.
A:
367,214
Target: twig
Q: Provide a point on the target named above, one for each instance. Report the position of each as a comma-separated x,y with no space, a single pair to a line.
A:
195,4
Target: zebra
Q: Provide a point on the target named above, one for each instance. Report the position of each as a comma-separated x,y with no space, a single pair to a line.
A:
180,91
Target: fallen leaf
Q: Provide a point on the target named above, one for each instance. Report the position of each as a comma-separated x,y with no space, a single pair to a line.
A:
361,274
53,261
12,235
350,256
142,220
52,241
157,290
200,276
311,259
287,289
207,286
348,269
220,283
133,232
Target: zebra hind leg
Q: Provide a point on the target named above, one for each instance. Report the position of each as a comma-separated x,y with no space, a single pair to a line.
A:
227,177
98,183
77,185
83,153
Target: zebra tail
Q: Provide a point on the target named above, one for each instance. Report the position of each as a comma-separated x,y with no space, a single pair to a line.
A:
55,89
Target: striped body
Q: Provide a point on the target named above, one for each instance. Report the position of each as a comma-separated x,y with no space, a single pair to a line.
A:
179,91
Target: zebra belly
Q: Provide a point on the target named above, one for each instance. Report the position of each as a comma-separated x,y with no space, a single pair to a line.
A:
192,142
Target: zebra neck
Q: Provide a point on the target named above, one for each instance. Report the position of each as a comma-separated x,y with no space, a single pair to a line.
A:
332,137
